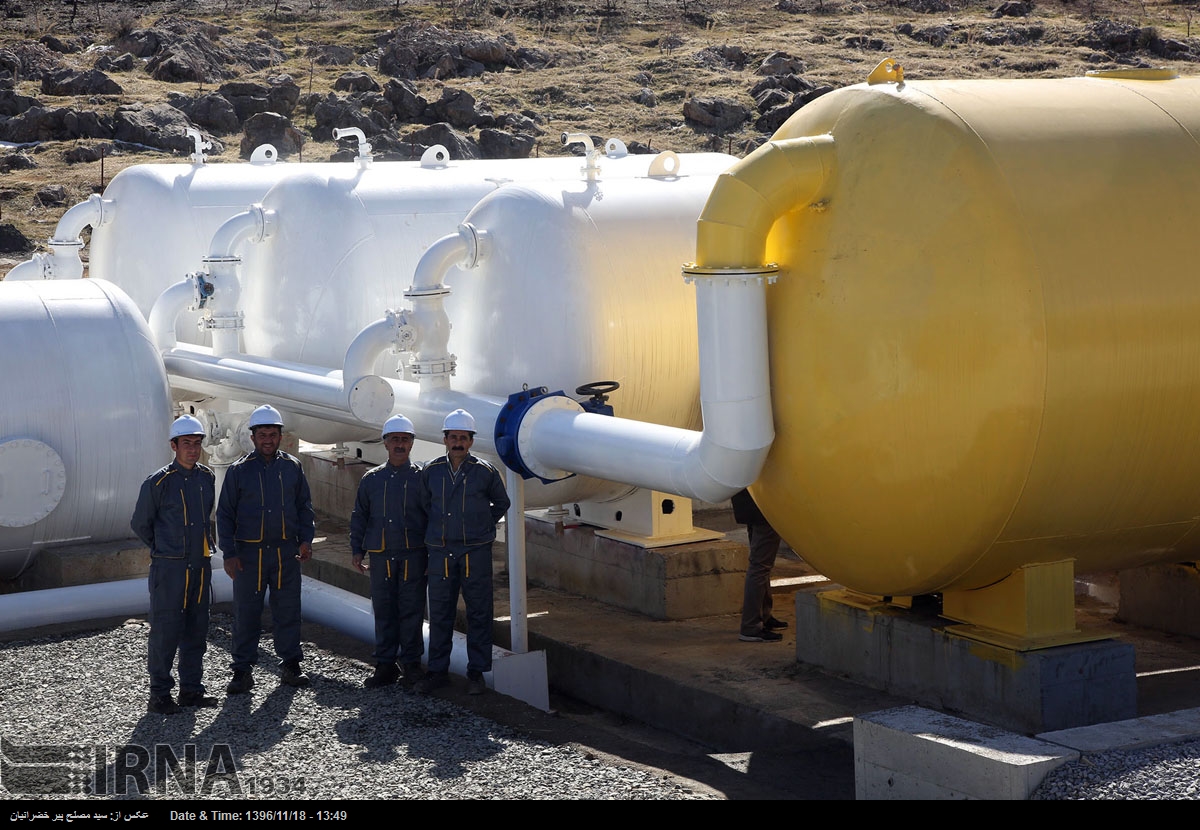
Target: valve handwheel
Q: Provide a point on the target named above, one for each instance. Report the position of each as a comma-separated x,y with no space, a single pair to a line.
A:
599,390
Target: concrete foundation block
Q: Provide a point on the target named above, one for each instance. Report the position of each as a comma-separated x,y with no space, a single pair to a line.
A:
669,583
915,753
912,655
333,482
84,564
1162,597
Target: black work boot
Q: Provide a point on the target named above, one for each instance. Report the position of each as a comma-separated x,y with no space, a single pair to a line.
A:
412,675
291,674
161,705
242,682
198,699
385,675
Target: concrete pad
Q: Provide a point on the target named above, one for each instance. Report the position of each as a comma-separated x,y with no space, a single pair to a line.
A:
915,753
1162,597
1135,733
666,583
912,655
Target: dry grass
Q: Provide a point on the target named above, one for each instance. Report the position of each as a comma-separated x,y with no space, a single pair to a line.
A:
601,49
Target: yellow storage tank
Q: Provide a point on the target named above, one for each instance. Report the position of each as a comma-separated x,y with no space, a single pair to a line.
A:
985,336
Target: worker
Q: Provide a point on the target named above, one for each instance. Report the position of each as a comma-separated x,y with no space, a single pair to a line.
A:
265,524
173,517
388,522
758,623
465,498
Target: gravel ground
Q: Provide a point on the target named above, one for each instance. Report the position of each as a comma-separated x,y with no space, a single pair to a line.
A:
1170,772
332,740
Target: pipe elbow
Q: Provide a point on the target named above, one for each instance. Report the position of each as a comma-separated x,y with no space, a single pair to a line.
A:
748,198
366,348
251,225
92,213
166,309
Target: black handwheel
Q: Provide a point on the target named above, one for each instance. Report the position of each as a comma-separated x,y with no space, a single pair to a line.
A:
598,390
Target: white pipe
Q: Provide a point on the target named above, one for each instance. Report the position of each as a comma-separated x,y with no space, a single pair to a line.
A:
709,465
63,261
222,264
368,344
77,603
320,603
514,542
94,212
306,390
432,361
364,146
167,308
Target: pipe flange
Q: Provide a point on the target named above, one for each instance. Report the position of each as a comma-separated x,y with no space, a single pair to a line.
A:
435,291
756,273
514,431
434,368
232,320
33,479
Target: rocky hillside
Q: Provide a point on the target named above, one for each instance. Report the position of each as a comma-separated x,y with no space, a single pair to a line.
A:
89,88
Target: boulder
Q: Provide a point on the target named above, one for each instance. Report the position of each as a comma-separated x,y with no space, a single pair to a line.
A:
87,153
12,241
121,63
52,195
498,144
212,111
715,112
406,104
341,113
458,108
780,63
356,82
16,161
270,128
327,54
458,145
13,103
157,125
60,124
71,82
645,97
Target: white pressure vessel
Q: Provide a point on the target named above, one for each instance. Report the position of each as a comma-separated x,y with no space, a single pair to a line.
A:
84,415
583,283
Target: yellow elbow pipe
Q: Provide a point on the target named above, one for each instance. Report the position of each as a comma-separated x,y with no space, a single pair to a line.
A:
778,177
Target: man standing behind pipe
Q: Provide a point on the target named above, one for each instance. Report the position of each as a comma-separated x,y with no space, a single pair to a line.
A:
173,517
266,525
389,522
465,497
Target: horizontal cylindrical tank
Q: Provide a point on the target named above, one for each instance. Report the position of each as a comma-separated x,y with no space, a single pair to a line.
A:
161,218
582,282
984,339
83,418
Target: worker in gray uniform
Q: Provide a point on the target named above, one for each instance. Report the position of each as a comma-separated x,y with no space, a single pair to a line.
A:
465,497
266,524
173,517
388,523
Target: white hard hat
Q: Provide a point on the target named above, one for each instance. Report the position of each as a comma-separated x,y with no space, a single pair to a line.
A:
459,419
187,425
266,416
398,423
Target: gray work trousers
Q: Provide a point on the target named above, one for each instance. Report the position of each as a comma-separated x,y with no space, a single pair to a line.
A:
756,598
